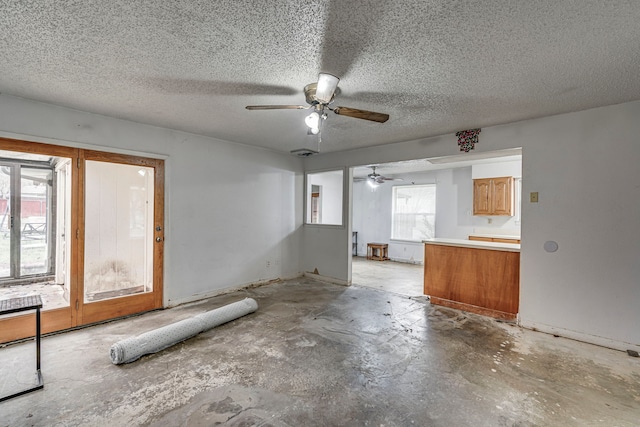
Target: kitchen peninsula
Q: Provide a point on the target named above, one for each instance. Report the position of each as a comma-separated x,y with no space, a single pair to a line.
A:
476,276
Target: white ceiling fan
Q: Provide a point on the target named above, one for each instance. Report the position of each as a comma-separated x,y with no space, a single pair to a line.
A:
374,179
319,96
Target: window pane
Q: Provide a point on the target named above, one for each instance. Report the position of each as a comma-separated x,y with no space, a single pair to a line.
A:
118,230
414,212
5,221
35,187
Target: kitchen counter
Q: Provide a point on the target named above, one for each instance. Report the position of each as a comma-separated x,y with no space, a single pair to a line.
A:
479,277
496,236
496,246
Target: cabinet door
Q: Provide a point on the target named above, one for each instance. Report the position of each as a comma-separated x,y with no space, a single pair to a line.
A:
502,189
482,196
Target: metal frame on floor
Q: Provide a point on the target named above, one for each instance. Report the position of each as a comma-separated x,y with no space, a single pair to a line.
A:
15,305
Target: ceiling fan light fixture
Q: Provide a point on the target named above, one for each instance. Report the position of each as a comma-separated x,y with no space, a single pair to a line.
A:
313,121
327,84
319,95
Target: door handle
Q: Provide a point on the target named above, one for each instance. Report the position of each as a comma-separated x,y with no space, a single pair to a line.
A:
159,239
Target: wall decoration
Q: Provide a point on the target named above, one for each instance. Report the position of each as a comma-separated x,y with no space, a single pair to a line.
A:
467,139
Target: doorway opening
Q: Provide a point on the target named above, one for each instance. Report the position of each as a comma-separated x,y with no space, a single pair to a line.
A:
376,215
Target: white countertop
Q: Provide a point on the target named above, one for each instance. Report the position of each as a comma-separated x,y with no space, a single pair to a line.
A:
496,246
495,236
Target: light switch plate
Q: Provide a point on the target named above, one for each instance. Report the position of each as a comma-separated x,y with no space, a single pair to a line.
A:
533,197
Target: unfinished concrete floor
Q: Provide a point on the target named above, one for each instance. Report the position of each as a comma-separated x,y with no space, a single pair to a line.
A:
317,354
398,277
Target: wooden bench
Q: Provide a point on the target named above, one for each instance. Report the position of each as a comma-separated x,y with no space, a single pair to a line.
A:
378,251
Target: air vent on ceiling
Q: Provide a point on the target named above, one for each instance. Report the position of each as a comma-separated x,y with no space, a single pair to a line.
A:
303,152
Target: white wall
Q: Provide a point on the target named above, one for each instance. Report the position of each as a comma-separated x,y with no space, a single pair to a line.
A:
497,169
230,209
330,241
584,166
371,214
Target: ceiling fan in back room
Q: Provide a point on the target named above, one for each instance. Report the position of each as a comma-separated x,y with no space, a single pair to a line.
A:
374,179
320,95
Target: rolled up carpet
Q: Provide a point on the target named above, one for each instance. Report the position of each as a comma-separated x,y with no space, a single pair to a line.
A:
131,349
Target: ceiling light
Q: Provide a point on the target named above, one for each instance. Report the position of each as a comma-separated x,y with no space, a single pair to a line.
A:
313,121
372,183
327,84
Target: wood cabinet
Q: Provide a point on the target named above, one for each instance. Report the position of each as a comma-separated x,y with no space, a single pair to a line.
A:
494,239
482,281
493,196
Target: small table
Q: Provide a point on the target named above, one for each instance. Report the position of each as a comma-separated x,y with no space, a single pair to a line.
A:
378,251
15,305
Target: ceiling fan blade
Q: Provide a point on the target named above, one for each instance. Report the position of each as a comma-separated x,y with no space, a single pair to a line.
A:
327,84
277,107
361,114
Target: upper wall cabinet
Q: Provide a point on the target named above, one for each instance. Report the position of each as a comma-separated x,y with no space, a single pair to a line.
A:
493,196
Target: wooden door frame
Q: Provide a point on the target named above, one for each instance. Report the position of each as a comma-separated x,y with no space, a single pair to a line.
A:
22,326
76,314
123,306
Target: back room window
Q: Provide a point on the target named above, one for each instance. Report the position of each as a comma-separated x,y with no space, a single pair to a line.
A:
414,212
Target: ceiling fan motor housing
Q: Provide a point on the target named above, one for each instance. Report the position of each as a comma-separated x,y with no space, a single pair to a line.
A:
310,94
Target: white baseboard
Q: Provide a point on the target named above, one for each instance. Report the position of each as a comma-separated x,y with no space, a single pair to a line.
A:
579,336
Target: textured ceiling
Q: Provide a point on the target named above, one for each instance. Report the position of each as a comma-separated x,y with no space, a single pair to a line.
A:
435,67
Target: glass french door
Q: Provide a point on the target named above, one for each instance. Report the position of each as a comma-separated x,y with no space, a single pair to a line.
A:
82,228
122,233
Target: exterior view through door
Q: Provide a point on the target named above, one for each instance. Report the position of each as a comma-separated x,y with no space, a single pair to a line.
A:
83,229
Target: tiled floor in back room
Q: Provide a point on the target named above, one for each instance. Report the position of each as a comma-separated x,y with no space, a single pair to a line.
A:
318,354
